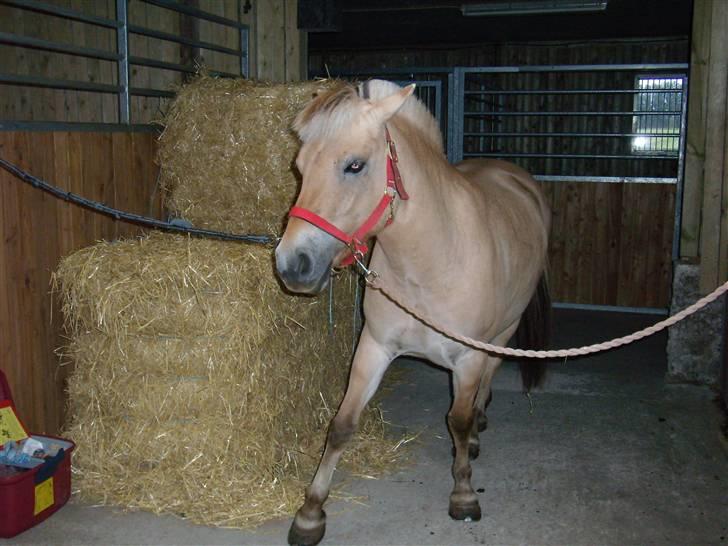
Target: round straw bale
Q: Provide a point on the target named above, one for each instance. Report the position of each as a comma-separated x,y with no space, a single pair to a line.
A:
227,152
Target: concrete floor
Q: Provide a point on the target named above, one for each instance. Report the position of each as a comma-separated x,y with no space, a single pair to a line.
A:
609,455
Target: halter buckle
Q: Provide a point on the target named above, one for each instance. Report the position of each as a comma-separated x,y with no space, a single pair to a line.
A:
392,149
369,275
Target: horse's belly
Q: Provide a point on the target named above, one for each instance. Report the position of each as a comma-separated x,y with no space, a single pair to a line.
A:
405,336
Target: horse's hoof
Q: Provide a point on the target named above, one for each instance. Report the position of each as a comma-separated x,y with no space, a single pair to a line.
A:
303,535
469,511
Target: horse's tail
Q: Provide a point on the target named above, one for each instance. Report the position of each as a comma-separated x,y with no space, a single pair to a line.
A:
533,333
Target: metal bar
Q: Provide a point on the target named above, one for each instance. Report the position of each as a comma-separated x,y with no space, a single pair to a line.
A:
75,126
572,92
576,68
450,117
149,92
606,179
195,12
411,70
458,117
144,61
122,48
645,157
51,83
677,230
59,11
244,52
47,45
569,135
612,308
570,156
633,113
134,29
438,101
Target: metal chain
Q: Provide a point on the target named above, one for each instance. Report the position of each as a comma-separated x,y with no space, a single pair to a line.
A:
375,282
129,217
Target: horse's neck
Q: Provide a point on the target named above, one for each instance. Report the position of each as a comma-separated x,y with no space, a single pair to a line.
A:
423,225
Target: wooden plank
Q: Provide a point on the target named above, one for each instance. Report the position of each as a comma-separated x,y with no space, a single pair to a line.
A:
296,44
62,168
697,119
723,243
43,243
10,236
627,278
715,145
79,216
270,43
25,365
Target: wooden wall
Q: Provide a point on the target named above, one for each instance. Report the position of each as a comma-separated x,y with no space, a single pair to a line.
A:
277,53
36,230
704,234
611,244
117,168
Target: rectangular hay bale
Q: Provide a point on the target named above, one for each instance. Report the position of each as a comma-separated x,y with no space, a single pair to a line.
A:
227,151
199,387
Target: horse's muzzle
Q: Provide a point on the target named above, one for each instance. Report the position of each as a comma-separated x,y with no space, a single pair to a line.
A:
302,271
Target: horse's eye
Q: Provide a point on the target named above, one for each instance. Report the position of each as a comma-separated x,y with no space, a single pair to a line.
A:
355,167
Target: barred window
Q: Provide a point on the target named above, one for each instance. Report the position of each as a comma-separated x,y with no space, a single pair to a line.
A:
657,114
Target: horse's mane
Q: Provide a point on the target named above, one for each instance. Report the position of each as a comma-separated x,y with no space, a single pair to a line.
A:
333,109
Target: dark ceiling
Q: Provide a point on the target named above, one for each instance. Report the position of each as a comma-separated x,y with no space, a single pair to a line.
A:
392,24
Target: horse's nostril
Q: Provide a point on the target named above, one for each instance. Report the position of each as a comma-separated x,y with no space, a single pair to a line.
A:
304,264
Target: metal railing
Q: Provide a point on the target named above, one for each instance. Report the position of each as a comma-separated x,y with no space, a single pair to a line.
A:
558,126
123,28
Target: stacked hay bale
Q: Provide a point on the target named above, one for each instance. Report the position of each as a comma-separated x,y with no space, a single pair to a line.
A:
200,387
227,153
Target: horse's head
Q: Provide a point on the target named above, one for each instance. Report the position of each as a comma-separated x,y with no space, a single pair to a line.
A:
343,161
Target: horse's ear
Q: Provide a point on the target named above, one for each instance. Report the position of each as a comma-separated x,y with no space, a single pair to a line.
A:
385,108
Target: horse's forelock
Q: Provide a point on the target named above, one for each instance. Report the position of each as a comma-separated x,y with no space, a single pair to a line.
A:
326,111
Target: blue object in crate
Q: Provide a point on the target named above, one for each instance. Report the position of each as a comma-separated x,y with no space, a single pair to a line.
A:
12,455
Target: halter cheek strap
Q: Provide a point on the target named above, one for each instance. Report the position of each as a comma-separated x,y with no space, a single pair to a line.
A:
355,241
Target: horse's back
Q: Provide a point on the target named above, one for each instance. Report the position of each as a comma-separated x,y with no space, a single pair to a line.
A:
494,176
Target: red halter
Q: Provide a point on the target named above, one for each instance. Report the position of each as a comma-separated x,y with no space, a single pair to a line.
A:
355,241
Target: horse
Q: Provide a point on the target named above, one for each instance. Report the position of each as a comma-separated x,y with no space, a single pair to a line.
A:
464,243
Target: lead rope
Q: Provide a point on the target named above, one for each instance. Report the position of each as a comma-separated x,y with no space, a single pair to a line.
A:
374,281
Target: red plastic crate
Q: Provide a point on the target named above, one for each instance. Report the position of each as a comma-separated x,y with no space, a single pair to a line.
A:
32,496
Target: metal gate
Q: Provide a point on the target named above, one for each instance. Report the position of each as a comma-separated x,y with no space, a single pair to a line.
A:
613,124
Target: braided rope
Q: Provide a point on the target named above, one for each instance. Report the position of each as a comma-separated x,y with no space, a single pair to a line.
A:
376,283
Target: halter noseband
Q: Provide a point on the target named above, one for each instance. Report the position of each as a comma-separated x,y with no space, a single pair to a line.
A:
355,241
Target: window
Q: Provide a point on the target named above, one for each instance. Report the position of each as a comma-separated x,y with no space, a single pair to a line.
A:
656,120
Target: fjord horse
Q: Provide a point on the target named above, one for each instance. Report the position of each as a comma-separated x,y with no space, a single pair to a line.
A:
464,244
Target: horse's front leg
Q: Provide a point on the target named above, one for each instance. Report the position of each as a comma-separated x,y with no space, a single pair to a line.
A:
466,381
370,362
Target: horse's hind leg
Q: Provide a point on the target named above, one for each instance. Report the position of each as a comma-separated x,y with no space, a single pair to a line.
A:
370,362
485,394
466,378
482,399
